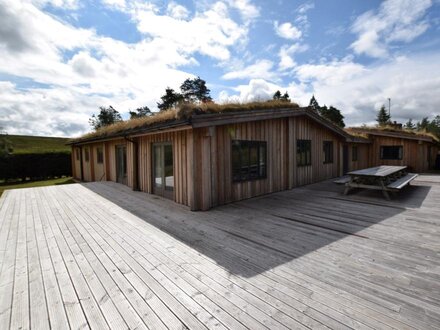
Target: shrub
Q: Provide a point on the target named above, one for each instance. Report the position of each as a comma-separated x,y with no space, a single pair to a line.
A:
35,166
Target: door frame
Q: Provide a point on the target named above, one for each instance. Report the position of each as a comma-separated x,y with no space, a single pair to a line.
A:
164,192
117,165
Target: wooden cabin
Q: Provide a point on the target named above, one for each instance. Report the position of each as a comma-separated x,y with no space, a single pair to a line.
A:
209,159
397,147
204,159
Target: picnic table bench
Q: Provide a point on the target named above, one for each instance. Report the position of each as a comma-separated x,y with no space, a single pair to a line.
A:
384,178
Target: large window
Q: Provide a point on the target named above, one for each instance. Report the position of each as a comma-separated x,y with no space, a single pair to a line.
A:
248,160
99,155
328,152
354,154
391,152
303,152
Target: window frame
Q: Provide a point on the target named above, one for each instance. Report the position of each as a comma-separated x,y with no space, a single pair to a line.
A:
328,154
99,155
303,146
246,148
399,153
354,153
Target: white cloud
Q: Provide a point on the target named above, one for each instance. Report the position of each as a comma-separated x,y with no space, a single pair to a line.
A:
177,11
256,90
286,55
330,73
116,4
260,69
99,70
287,31
210,33
411,83
395,21
247,10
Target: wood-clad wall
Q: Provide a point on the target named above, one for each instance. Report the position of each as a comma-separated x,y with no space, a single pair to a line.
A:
110,155
87,165
307,129
99,169
213,166
182,162
363,156
415,153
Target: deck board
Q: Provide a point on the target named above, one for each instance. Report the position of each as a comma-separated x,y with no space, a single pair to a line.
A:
99,255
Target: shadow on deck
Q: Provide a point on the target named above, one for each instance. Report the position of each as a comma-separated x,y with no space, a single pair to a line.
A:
253,236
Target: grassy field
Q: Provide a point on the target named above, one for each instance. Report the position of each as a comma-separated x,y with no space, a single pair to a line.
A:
24,144
17,185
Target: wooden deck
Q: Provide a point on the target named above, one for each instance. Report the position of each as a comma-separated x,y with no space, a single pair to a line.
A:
99,256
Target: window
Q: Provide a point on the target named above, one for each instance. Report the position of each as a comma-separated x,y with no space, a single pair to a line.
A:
86,154
303,152
354,154
391,152
77,153
248,160
99,155
328,152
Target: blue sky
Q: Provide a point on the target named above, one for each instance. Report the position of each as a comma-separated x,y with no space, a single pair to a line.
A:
62,59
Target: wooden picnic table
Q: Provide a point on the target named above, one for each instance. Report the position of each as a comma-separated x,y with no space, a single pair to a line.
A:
384,178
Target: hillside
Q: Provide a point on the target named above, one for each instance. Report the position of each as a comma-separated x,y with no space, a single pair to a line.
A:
23,144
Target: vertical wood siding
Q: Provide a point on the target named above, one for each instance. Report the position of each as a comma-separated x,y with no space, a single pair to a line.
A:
363,156
415,154
212,155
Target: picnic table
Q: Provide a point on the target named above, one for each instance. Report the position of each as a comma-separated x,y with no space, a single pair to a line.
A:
384,178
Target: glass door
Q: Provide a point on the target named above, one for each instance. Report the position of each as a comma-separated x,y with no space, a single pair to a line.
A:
121,164
163,170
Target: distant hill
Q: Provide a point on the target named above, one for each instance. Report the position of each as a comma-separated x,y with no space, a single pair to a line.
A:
24,144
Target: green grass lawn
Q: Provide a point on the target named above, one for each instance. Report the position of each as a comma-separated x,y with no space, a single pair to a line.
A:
51,182
24,144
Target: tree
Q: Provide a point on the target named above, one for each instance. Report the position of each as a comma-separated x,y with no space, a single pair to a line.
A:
410,125
423,124
277,95
383,117
170,99
106,116
285,97
332,114
314,105
140,112
195,90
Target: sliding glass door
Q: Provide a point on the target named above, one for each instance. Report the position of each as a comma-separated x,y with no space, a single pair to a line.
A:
163,171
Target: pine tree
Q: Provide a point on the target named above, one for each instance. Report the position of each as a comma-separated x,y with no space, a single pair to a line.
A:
383,117
423,124
106,116
410,125
314,105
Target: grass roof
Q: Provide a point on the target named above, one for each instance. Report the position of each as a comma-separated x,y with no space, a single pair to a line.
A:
391,129
183,112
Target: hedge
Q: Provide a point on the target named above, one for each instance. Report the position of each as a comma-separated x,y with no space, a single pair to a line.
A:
35,166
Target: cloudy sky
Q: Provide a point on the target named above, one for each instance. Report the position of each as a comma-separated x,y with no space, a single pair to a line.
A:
62,59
